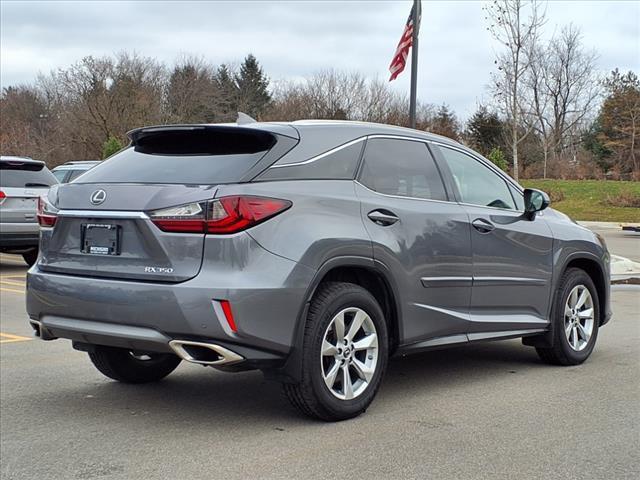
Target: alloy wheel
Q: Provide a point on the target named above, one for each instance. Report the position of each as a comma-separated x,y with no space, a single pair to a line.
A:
579,317
349,354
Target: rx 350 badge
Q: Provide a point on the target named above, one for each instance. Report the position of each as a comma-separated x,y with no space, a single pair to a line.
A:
158,270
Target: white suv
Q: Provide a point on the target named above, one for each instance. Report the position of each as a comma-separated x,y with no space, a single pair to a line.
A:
22,181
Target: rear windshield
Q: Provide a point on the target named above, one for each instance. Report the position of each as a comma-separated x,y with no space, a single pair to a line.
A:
15,177
200,157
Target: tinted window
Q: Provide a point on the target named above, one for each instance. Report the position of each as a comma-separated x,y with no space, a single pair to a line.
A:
12,177
477,184
401,167
339,164
130,166
191,155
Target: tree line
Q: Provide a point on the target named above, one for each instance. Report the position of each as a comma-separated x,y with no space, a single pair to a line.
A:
550,113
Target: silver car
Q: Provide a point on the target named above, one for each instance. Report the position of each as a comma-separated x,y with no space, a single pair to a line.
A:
22,182
69,171
313,251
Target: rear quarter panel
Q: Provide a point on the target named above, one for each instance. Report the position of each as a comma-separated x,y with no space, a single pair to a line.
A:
323,223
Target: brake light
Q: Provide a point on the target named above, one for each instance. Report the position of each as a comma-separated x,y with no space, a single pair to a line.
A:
47,213
2,196
221,216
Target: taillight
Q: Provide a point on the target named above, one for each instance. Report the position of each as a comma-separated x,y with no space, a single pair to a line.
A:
47,213
2,196
221,216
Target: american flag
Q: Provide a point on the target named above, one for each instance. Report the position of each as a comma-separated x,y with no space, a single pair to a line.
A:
402,50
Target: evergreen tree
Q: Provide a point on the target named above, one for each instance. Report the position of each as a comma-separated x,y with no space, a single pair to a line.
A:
228,94
252,85
111,146
485,131
620,120
497,158
445,123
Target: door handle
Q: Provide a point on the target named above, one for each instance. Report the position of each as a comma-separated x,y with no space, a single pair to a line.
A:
382,217
482,225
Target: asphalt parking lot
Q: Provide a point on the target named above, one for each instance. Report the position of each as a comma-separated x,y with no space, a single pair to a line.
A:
488,410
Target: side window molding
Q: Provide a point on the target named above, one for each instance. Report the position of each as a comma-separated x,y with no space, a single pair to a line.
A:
320,156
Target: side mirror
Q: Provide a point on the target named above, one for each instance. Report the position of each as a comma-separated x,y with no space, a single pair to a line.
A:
535,201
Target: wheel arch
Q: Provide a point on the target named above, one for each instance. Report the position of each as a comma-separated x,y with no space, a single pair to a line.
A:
366,272
591,266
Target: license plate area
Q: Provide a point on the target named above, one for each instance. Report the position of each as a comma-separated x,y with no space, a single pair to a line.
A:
101,238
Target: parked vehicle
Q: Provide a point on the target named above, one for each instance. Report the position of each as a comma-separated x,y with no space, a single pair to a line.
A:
312,251
22,181
71,170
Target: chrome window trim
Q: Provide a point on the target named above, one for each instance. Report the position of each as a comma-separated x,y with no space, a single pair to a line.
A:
402,196
321,156
492,208
103,214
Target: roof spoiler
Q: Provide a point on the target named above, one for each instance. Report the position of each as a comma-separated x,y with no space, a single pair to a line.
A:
243,119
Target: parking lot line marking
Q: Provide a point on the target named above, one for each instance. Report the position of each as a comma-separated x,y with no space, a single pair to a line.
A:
5,289
2,277
12,260
9,338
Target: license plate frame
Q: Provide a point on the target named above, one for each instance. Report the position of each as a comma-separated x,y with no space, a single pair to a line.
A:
101,238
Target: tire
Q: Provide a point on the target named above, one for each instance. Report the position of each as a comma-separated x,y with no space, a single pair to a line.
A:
563,351
30,257
312,395
121,365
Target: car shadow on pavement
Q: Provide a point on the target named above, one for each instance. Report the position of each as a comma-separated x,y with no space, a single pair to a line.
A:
196,397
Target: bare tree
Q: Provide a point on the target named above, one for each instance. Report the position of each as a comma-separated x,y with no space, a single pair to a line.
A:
515,25
564,87
340,95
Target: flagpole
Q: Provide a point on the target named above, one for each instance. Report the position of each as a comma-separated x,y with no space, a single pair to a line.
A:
414,64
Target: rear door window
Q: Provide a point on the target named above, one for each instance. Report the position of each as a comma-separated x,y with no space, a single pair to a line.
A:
401,167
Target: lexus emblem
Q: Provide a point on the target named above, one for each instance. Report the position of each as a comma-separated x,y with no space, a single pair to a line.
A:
98,197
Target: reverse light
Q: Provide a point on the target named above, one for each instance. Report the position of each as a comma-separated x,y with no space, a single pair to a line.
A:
47,214
225,215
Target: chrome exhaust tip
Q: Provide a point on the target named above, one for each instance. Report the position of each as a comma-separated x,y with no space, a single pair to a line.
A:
204,353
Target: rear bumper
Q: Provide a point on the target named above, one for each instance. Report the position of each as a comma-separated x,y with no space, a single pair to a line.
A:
221,354
266,295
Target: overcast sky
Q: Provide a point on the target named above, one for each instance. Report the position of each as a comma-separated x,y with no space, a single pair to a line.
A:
294,39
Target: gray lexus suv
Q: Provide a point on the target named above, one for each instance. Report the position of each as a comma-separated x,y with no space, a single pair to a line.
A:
313,251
